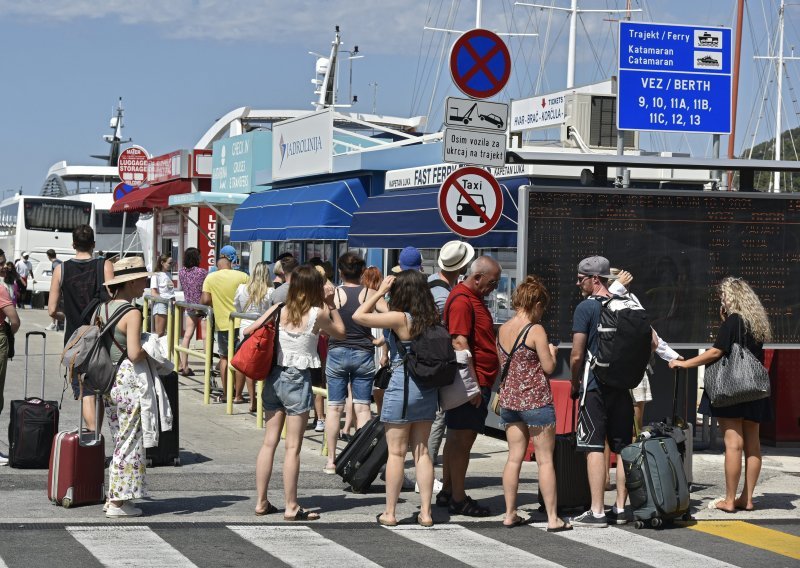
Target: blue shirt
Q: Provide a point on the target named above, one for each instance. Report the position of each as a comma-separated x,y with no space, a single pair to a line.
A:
585,320
440,293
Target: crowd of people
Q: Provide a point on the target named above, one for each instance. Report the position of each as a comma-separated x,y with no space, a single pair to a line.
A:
340,336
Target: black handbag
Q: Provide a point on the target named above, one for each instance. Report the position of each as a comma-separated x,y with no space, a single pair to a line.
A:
737,377
382,377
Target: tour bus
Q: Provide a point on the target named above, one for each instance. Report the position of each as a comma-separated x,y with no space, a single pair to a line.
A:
36,224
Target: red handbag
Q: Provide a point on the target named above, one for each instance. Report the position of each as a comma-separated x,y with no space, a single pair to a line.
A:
256,355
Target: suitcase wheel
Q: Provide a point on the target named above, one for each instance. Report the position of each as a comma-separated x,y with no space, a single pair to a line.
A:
687,517
176,462
655,523
66,502
638,525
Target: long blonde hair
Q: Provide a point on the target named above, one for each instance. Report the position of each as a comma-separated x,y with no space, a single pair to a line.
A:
739,298
258,286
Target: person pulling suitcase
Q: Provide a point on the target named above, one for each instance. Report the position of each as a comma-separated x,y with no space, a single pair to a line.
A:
9,324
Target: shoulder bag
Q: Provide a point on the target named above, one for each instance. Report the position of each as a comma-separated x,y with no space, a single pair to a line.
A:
256,356
738,377
523,334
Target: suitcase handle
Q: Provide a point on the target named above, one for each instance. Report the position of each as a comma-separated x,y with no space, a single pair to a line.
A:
44,353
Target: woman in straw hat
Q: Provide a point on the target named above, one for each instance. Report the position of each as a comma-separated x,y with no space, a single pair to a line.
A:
126,480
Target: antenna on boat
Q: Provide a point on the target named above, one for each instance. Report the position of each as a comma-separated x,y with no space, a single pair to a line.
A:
327,70
116,124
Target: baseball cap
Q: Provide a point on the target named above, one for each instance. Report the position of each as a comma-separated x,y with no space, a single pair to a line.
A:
410,259
26,253
228,251
596,266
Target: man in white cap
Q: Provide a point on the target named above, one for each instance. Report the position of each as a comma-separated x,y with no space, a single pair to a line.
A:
25,270
454,258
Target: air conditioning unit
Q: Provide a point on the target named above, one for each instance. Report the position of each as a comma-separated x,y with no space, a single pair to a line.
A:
595,119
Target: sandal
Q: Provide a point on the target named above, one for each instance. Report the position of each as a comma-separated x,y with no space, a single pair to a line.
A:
381,521
562,528
516,522
420,522
302,515
186,373
443,499
469,508
270,510
239,401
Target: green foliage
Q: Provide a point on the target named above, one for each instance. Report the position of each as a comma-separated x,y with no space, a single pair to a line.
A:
790,149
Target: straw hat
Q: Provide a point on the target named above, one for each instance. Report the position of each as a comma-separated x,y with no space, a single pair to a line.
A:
130,268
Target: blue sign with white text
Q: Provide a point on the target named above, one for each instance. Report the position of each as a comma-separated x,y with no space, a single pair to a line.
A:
674,78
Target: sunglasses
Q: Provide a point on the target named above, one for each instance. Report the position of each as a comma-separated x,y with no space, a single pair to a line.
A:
582,277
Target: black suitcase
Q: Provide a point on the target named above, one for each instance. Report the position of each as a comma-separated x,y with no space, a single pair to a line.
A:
33,423
168,450
362,458
572,479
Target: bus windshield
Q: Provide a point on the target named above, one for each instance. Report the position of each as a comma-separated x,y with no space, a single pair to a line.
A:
56,215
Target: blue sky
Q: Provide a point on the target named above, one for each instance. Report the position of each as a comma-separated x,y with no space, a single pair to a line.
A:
180,64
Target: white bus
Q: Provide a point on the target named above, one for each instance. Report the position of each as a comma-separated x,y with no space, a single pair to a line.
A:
36,224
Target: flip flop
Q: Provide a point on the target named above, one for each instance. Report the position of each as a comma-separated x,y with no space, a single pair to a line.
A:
302,515
270,510
517,522
384,523
713,505
562,528
239,401
329,470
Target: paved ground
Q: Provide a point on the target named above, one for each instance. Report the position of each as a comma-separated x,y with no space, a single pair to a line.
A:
214,489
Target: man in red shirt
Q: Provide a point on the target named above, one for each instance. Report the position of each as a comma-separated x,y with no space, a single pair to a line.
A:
472,329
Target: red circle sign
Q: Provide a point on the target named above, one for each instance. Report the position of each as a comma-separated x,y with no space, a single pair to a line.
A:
132,166
480,63
470,202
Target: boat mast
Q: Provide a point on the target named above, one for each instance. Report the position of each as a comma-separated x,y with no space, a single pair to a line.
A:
777,184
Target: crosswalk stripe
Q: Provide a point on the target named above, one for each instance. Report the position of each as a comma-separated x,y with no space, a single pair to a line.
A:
3,564
470,547
301,546
752,535
134,547
640,548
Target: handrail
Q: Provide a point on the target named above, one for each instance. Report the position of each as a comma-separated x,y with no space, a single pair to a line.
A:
233,332
207,353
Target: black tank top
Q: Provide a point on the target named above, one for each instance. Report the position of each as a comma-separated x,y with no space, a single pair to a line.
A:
358,336
79,285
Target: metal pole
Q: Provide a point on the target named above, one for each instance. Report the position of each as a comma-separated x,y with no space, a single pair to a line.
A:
715,174
573,32
620,152
727,177
478,10
122,239
777,184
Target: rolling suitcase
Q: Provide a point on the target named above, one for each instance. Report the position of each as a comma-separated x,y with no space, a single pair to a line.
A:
572,478
168,450
33,423
363,457
76,475
655,480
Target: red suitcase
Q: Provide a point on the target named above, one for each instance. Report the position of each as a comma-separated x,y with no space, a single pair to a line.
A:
77,460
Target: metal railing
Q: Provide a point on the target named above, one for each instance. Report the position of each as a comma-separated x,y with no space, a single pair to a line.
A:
206,354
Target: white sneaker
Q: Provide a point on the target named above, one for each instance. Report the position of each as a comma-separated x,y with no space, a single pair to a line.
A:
320,427
437,486
3,459
127,510
51,327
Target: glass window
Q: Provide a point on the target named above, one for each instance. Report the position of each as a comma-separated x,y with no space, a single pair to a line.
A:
56,214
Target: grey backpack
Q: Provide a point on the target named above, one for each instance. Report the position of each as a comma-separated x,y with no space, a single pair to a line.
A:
87,352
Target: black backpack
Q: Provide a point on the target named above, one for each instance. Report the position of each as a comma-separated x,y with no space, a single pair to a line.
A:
431,359
624,342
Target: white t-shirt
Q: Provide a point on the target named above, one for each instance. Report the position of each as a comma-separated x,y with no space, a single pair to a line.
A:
241,298
163,283
22,268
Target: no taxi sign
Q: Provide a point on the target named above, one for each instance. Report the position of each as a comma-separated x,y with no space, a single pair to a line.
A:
470,202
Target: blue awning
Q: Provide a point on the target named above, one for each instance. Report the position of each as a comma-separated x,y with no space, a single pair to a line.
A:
404,218
311,212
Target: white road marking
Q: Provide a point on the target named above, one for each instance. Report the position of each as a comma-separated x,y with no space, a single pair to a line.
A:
134,547
301,546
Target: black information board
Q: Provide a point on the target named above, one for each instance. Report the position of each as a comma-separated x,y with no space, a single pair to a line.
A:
679,245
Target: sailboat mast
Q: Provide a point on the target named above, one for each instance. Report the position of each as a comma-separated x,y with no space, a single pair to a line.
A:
777,184
737,58
573,32
478,10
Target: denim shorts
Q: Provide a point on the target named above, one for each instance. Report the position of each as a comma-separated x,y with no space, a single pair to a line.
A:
222,344
347,365
288,389
533,418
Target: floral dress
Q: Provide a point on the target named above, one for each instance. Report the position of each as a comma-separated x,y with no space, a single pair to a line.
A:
126,472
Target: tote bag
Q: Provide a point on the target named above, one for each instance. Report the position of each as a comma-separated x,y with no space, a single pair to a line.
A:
256,355
737,377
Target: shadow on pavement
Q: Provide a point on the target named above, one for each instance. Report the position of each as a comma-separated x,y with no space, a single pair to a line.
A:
189,505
